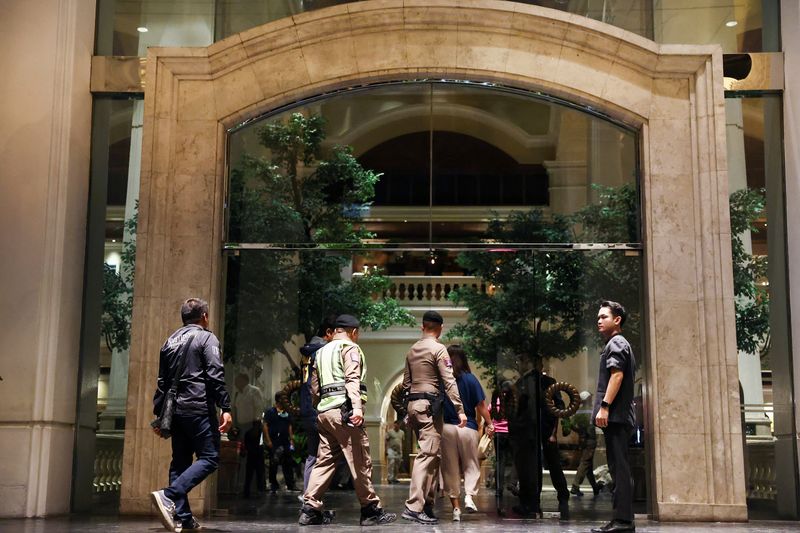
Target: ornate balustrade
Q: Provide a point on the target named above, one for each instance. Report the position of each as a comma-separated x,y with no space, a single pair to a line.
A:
426,291
108,462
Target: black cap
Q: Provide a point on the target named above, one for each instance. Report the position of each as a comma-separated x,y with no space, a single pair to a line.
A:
347,321
432,316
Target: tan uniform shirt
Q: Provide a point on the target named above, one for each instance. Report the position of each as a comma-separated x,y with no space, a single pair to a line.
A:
351,362
426,363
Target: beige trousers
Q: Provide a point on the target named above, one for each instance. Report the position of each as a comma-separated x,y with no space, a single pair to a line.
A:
337,440
425,475
460,457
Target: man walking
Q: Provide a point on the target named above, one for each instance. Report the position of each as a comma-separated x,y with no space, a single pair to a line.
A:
337,378
308,414
247,405
201,388
614,410
278,438
428,371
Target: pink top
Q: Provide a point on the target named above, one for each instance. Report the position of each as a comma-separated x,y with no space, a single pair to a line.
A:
500,426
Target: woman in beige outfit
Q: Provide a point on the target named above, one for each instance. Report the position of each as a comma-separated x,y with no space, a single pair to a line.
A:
460,444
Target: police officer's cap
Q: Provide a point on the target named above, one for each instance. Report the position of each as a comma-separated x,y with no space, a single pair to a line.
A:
432,316
347,322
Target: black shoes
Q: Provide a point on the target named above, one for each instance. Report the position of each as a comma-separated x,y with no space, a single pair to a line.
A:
190,525
418,517
372,515
526,512
428,510
615,526
312,517
563,510
575,491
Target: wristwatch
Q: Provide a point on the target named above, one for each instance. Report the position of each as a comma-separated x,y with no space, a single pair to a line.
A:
604,404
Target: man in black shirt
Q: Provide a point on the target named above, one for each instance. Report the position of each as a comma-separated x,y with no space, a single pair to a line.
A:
278,438
201,389
614,410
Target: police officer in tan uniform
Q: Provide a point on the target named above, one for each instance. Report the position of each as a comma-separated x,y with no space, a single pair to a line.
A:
337,380
428,376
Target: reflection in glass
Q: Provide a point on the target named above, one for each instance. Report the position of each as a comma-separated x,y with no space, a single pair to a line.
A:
450,160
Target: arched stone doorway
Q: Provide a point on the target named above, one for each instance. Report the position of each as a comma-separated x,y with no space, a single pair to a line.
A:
672,93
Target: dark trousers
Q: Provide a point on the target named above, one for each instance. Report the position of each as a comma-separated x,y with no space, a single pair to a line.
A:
527,461
284,460
617,438
254,464
586,467
191,435
502,450
553,460
312,445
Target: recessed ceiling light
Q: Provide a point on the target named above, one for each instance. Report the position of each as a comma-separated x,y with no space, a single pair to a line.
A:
731,23
141,29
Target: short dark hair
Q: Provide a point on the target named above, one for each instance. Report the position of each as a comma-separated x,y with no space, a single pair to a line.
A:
459,359
327,323
616,309
192,310
280,397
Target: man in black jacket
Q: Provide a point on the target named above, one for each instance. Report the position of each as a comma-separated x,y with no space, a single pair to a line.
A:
201,389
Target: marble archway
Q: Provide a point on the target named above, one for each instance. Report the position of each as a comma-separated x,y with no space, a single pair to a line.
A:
674,94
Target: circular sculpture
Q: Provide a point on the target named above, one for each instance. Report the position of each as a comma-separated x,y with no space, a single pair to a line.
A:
574,399
397,401
288,391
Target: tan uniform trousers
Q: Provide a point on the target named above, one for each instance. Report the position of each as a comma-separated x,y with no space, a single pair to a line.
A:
425,474
337,440
460,457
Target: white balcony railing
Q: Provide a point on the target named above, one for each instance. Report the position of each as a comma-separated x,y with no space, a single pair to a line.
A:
427,291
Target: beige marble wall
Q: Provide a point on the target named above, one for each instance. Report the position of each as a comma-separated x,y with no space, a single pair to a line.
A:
673,93
45,134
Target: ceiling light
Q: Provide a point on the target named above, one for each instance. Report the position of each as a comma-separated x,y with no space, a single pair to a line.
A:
731,23
141,29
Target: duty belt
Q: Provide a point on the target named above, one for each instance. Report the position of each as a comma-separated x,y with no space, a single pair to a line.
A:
338,389
430,396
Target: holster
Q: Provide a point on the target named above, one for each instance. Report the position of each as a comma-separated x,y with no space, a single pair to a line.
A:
347,412
435,401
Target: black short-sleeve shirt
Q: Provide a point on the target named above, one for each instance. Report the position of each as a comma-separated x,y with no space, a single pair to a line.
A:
617,354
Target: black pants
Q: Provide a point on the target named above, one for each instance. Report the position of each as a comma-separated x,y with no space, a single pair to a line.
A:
553,460
192,435
617,438
254,464
284,460
527,461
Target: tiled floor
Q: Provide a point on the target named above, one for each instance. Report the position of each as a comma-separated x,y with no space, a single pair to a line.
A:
279,513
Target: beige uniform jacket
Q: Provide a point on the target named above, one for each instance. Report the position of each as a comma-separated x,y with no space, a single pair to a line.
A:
426,363
351,362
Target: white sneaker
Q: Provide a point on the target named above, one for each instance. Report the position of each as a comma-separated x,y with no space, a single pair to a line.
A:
456,515
470,505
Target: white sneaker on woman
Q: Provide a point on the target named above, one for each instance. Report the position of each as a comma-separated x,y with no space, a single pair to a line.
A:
456,515
470,505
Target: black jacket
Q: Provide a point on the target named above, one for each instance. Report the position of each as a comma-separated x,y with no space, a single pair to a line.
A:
201,386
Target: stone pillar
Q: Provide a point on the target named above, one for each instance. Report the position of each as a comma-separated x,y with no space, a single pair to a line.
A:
46,51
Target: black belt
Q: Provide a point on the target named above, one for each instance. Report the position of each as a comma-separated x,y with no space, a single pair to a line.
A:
430,396
338,390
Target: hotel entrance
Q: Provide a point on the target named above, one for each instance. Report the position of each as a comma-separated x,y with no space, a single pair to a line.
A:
511,213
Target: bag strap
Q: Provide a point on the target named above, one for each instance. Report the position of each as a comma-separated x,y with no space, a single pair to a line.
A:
181,363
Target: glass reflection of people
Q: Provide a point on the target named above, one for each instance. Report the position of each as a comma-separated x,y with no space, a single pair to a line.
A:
247,405
613,410
549,423
460,444
501,405
525,431
394,451
278,435
587,443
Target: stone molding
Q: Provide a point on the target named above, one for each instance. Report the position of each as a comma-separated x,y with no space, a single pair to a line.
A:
672,93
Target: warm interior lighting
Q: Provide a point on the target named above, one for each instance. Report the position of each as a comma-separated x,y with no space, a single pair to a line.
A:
731,23
141,29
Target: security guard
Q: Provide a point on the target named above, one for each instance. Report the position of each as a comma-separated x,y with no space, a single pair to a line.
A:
428,375
338,374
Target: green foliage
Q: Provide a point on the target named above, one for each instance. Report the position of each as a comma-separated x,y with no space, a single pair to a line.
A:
544,302
312,204
115,322
751,298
